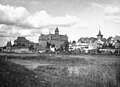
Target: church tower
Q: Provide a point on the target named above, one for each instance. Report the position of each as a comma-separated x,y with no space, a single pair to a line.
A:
56,31
99,36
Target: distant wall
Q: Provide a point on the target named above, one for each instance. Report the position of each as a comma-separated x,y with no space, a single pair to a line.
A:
43,43
21,50
57,43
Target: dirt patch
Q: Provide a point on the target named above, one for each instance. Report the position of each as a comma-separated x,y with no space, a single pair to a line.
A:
28,64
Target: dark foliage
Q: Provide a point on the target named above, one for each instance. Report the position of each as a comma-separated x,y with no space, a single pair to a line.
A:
66,45
13,75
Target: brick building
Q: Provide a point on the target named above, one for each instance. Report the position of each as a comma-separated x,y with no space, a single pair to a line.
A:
55,39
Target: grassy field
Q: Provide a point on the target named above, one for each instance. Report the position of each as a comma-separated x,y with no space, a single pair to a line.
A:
59,70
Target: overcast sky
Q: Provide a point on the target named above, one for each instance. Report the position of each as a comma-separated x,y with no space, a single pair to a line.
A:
75,18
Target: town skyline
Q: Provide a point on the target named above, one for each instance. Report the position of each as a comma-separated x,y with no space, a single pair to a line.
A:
76,18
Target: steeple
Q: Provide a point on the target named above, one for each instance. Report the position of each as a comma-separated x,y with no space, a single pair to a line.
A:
57,31
99,36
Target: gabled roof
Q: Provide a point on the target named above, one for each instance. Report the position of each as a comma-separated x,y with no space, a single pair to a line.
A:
21,39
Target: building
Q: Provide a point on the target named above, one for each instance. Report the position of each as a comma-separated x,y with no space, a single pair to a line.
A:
99,36
117,42
87,40
21,41
98,43
8,46
117,38
22,45
53,39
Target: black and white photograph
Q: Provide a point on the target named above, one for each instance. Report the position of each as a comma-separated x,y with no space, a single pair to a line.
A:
59,43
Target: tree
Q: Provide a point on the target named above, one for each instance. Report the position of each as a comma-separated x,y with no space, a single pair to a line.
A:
74,42
66,45
61,48
48,45
52,45
31,47
104,45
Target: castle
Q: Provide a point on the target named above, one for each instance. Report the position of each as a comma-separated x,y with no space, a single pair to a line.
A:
55,39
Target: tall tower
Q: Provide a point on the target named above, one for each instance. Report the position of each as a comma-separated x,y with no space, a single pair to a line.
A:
56,31
99,36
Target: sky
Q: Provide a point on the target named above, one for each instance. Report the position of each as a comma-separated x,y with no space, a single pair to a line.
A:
74,18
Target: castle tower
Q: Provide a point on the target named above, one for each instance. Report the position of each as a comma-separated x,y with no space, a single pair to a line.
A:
99,36
56,31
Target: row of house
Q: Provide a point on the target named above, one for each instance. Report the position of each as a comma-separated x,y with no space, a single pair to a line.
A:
87,44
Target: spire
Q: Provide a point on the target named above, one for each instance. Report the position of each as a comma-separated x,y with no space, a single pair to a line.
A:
99,34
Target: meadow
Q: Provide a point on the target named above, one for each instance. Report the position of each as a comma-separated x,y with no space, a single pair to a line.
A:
52,70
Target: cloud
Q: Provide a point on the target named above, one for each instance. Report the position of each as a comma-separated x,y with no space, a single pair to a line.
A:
111,12
43,19
12,15
8,33
12,31
106,8
18,21
113,19
20,16
95,5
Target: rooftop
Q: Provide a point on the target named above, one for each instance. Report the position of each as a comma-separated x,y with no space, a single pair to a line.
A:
117,38
21,39
53,37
